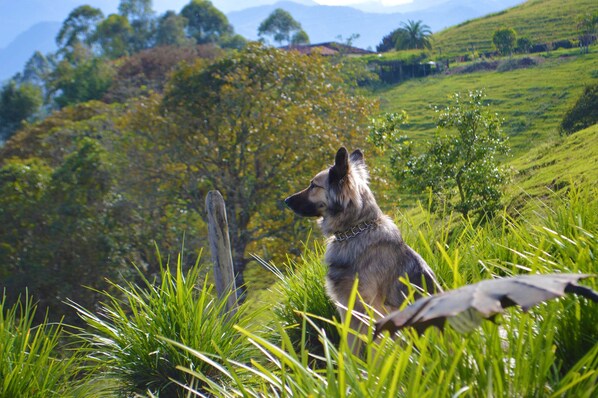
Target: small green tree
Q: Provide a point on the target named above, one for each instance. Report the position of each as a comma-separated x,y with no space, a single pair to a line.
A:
524,45
280,25
504,40
206,24
300,38
461,169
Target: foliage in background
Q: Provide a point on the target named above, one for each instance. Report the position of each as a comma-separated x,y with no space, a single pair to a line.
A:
461,169
504,39
205,23
282,27
61,228
584,113
128,335
411,35
18,103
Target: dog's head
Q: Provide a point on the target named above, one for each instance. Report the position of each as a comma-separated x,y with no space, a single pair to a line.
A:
333,190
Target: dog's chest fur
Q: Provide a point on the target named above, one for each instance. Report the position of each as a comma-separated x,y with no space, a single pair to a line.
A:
375,257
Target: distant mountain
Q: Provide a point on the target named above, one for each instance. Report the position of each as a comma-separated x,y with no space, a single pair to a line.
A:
326,23
39,37
227,6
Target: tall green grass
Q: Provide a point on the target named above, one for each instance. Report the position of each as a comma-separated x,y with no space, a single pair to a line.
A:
128,336
551,351
31,363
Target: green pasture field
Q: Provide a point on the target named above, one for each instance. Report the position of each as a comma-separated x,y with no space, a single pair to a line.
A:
531,100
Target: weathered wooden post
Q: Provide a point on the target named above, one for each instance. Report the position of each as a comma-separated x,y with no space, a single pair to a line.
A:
220,248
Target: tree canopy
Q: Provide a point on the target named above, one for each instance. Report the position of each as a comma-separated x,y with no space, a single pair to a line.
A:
206,23
283,28
504,39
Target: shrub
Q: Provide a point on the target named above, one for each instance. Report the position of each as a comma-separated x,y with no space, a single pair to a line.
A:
31,364
583,114
512,64
131,333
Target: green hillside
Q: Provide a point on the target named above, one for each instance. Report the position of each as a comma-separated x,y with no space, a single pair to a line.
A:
554,165
543,21
532,100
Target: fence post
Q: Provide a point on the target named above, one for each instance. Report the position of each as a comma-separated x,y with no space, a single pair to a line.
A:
220,248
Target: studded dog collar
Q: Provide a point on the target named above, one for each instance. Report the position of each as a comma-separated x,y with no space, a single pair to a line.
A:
355,230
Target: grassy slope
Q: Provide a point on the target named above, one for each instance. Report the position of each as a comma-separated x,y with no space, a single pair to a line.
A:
573,159
541,20
532,101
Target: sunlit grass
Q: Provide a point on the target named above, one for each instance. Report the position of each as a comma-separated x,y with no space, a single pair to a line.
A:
127,336
32,361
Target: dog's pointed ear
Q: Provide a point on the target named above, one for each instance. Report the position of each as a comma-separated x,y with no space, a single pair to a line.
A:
357,156
341,166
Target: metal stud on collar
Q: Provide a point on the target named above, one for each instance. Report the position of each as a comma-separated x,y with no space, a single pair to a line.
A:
354,230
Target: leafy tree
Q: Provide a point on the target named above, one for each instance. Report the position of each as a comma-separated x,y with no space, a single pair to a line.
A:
67,235
414,35
524,45
504,40
113,35
17,104
171,30
148,70
461,169
140,15
280,25
136,9
299,38
253,125
78,27
392,40
587,26
85,80
584,113
206,24
37,69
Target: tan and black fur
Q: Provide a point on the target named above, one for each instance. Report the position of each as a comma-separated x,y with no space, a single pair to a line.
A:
363,243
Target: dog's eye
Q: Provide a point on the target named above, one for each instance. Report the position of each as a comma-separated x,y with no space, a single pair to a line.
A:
313,186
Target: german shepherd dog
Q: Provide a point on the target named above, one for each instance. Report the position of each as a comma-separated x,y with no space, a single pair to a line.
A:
362,243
